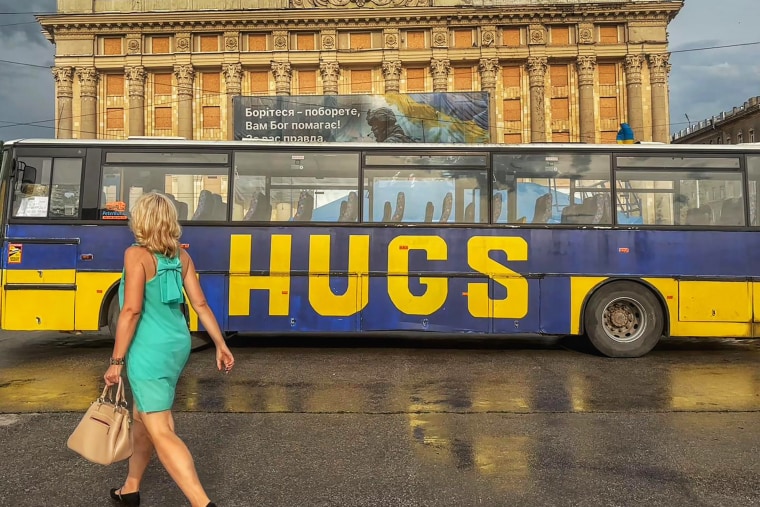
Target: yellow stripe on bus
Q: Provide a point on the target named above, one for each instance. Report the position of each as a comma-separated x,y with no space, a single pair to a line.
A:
40,276
91,289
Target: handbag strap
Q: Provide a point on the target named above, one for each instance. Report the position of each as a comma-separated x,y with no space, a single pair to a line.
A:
120,399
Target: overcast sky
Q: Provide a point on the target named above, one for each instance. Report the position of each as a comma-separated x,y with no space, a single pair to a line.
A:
702,83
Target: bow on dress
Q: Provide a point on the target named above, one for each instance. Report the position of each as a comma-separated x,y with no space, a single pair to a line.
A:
169,275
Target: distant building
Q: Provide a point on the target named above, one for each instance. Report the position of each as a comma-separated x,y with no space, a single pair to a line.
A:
555,70
740,125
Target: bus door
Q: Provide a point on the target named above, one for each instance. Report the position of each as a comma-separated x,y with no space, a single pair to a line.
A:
40,249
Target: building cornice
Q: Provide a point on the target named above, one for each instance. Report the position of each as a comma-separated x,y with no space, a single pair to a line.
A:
61,24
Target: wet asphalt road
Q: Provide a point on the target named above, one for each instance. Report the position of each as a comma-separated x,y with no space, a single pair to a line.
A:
407,423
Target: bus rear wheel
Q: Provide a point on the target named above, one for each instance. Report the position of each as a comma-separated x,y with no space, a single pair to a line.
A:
113,315
623,319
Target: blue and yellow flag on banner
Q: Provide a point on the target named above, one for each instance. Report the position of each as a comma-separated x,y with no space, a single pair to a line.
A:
625,134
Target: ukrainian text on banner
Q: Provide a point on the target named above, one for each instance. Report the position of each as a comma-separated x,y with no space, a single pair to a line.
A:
460,117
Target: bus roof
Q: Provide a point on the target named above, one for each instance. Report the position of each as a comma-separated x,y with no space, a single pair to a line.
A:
164,142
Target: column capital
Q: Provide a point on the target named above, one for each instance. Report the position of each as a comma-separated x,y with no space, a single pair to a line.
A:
440,69
282,74
392,74
586,65
185,75
633,65
136,80
88,81
488,67
64,79
233,77
329,71
537,66
659,66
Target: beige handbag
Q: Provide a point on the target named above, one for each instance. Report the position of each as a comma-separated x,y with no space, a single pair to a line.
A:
103,435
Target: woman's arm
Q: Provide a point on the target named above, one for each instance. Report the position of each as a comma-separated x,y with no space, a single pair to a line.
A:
134,289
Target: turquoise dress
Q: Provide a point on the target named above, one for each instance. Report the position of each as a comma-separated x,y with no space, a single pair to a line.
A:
161,344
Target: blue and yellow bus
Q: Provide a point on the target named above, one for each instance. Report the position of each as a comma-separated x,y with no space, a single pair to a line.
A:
622,243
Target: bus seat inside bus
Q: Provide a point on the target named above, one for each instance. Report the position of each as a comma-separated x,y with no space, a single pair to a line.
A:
305,207
699,216
400,204
543,209
469,213
387,211
446,208
429,210
496,203
732,212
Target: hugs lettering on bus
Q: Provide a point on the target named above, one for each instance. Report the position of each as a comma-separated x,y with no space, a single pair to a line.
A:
397,275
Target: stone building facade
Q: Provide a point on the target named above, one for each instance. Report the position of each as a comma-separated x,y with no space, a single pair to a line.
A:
740,125
556,71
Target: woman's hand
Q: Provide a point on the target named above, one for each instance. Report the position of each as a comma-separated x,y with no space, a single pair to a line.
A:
224,359
113,374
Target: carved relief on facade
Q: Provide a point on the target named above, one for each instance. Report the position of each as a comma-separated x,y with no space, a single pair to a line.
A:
136,80
488,36
659,67
182,42
392,74
280,40
586,33
134,44
488,67
88,81
328,40
64,79
310,4
231,41
391,39
633,64
185,75
440,37
233,78
537,66
536,34
586,66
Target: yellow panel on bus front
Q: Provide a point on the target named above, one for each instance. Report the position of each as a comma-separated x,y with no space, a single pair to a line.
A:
38,310
40,276
714,301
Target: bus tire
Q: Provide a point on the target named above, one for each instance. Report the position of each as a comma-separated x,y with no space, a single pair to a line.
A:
113,315
623,319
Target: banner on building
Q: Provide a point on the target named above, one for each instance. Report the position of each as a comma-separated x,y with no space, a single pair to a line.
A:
393,118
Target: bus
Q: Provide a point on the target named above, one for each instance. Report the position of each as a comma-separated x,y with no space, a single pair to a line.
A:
624,244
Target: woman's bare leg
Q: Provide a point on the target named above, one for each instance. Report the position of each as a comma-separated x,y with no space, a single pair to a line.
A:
141,454
175,456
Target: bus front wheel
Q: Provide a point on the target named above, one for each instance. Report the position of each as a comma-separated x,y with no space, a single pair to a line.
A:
623,319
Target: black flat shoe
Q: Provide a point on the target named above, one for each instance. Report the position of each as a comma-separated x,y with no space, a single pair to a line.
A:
212,504
128,499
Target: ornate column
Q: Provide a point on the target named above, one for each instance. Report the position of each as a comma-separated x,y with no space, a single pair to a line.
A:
537,77
659,66
633,91
586,66
88,97
136,84
233,80
330,72
64,80
440,70
489,67
185,75
392,74
282,75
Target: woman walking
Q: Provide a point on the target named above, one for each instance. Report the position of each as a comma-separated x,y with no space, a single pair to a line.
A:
153,339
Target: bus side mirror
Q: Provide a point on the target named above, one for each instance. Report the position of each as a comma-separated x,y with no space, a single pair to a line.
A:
28,175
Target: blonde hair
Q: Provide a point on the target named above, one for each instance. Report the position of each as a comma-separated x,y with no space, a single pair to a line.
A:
155,224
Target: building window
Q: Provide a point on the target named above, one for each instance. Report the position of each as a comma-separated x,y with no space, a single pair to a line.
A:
751,135
208,43
114,118
559,35
512,106
307,82
212,117
162,84
739,138
305,41
463,38
609,34
159,45
511,37
361,81
415,80
259,81
112,46
258,42
415,40
462,79
114,85
163,118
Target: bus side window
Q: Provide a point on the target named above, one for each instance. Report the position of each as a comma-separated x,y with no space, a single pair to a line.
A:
48,187
753,168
